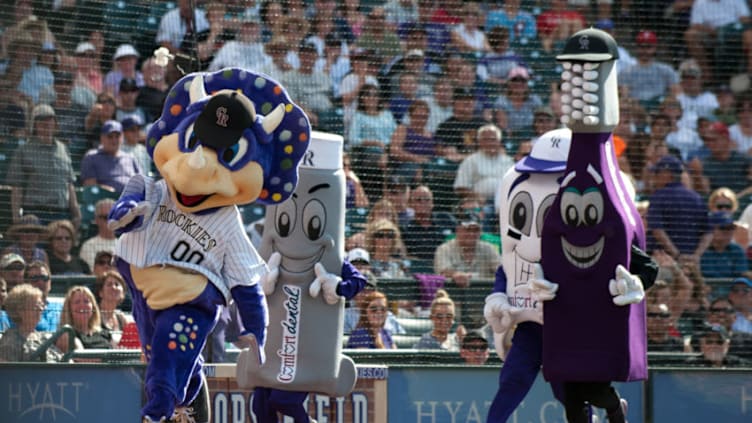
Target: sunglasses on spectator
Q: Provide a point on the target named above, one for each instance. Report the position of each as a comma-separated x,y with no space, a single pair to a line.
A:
741,289
15,267
660,315
38,278
377,309
475,348
384,234
721,310
714,341
723,206
443,316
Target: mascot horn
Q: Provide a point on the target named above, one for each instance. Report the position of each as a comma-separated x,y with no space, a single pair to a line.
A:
303,240
224,138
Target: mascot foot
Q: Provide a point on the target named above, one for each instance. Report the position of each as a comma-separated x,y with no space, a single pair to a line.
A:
248,367
198,411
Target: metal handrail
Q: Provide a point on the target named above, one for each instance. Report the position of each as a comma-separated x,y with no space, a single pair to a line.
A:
41,351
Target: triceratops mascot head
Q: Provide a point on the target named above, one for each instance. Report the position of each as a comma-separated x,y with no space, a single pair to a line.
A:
228,137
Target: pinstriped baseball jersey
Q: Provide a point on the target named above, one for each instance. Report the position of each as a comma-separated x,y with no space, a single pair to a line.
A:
212,244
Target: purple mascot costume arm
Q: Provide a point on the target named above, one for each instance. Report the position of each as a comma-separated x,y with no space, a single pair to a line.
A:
588,339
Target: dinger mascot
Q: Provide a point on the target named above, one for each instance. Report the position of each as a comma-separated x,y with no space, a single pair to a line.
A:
526,194
182,247
304,241
594,331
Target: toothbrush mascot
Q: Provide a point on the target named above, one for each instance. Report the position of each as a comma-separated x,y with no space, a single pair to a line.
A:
308,281
224,138
594,331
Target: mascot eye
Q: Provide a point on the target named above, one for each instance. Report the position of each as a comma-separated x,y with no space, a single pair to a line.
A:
234,153
521,212
543,209
284,218
570,214
191,140
593,202
314,219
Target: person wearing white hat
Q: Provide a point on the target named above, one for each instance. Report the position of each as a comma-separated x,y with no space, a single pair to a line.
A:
125,60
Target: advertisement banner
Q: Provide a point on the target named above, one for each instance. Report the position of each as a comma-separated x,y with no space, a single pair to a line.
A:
702,396
61,393
464,394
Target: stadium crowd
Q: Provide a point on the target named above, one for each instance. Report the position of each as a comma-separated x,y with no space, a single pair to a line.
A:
436,101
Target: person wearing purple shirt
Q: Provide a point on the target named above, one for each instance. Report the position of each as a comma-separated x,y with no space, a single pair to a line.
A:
108,166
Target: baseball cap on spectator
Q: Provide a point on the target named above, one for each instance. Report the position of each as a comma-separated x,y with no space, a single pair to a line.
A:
646,37
742,281
720,219
250,16
307,46
131,122
719,128
85,47
605,24
690,68
111,126
707,331
103,255
544,110
128,85
473,337
463,92
358,255
670,163
518,72
125,50
9,259
415,53
41,111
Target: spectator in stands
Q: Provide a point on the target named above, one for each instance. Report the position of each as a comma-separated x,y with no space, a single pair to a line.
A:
109,289
474,349
107,166
439,103
741,131
724,167
62,239
4,320
721,313
495,65
660,339
424,231
25,237
725,200
105,239
397,191
89,80
677,216
518,104
480,173
723,258
134,139
24,305
405,94
12,267
32,81
310,88
37,274
356,195
371,332
384,242
14,134
649,80
559,21
178,27
126,99
125,60
81,312
708,19
102,111
246,50
412,143
377,37
694,101
272,17
442,317
69,116
363,72
152,95
698,302
740,296
713,343
102,262
400,12
468,36
544,120
455,137
41,174
518,23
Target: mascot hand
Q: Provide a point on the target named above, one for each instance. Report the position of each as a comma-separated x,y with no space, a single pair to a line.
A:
499,313
255,343
540,288
128,214
626,287
269,281
327,281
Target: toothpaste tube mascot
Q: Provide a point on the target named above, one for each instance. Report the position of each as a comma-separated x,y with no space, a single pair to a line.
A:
308,281
224,138
594,331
